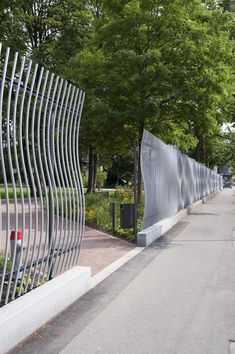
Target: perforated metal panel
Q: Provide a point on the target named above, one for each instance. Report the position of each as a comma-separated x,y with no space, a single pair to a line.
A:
172,180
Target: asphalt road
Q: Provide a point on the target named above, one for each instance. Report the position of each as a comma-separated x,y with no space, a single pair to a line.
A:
176,297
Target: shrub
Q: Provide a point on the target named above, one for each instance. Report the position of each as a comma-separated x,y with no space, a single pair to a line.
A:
97,211
84,181
2,259
100,178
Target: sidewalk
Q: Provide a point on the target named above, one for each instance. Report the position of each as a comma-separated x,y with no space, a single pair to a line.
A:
99,250
175,297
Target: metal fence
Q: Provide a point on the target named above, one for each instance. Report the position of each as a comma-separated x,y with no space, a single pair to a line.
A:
42,201
172,180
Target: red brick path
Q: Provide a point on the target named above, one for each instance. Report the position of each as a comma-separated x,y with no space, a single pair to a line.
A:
100,250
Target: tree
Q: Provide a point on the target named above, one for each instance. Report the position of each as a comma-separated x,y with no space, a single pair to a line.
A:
49,31
164,66
227,5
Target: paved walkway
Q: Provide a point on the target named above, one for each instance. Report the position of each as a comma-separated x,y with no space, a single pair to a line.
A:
175,297
99,250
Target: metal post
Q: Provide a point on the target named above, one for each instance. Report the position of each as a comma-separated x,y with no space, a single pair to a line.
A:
113,219
135,192
112,212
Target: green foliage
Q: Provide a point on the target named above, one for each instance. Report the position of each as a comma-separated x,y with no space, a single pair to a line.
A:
84,181
120,170
27,281
2,260
49,31
97,206
100,178
165,66
97,211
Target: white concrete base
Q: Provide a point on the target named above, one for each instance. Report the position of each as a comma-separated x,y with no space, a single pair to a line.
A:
24,315
152,233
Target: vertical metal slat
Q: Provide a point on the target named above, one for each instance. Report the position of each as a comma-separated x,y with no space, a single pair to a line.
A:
22,106
31,175
82,209
41,172
17,166
4,171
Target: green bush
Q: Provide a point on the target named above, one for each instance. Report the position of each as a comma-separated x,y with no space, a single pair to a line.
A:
100,178
2,259
97,211
84,181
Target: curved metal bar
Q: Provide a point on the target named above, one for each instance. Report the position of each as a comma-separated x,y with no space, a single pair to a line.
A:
48,175
12,174
64,171
31,172
59,219
41,171
25,173
4,170
82,207
42,124
73,178
70,183
35,167
79,186
18,168
53,189
59,135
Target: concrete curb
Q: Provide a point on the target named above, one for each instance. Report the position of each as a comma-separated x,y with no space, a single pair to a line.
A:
106,272
24,315
152,233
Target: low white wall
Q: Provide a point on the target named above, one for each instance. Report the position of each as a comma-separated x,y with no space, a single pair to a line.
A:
24,315
152,233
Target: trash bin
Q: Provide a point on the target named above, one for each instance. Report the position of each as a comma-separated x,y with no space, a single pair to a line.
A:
112,208
126,216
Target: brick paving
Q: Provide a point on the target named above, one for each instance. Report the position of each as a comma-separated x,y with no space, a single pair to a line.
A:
100,250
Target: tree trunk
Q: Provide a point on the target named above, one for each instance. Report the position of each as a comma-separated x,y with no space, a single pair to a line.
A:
94,173
199,150
90,171
139,176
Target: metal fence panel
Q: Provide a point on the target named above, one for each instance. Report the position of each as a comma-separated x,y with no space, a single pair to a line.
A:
41,194
172,180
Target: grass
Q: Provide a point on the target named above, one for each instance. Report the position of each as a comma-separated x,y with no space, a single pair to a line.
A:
11,192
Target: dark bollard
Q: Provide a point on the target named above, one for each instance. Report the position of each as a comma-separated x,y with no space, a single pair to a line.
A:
112,212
